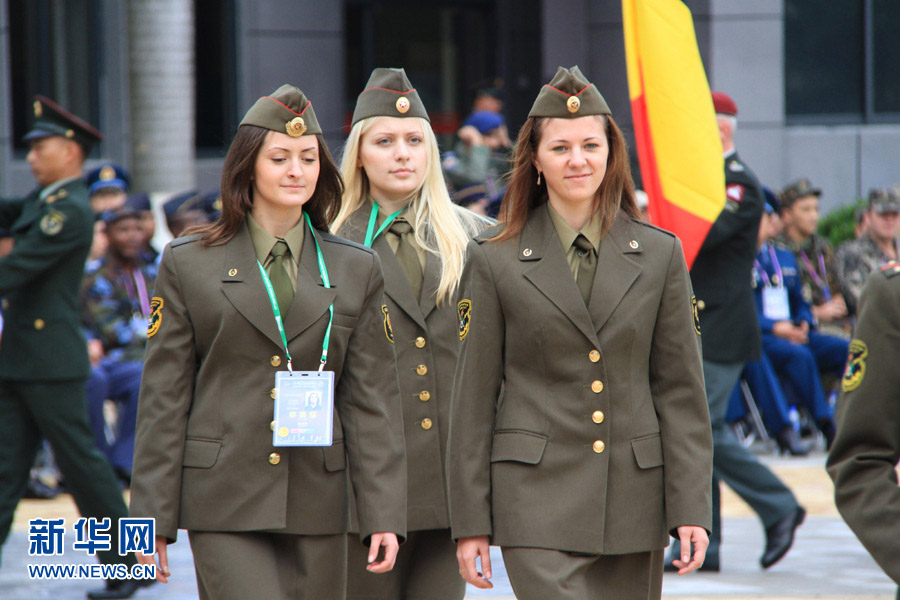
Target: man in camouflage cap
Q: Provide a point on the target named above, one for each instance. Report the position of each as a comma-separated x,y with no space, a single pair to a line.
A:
875,248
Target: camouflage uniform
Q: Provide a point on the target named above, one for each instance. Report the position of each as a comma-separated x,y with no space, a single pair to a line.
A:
856,261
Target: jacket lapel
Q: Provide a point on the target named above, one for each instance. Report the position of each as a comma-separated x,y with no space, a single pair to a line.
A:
311,298
430,283
616,272
550,271
244,287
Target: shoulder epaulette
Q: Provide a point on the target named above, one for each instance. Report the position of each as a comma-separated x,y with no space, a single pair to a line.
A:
651,226
336,239
490,233
185,240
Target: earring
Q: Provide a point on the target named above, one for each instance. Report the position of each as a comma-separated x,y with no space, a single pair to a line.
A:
539,178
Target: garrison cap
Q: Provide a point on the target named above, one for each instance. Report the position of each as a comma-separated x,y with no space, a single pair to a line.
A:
287,110
883,200
50,120
139,202
796,190
569,95
723,104
388,94
108,175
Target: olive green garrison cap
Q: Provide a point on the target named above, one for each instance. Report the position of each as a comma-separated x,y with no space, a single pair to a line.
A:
388,94
286,111
569,95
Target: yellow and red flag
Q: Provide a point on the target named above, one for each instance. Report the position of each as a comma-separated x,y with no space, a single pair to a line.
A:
678,142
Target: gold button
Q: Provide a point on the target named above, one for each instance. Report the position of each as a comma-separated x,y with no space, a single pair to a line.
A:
39,324
272,393
275,458
272,425
599,446
701,304
275,360
232,272
594,356
420,342
526,252
426,423
598,416
597,386
421,369
633,244
424,395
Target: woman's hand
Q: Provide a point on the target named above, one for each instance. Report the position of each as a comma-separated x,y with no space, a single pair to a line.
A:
467,550
391,547
162,570
697,535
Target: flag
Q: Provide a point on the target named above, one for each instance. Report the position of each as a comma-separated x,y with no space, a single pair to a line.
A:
675,128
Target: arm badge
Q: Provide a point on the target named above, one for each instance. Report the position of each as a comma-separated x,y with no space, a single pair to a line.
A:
464,309
388,330
856,366
696,314
156,306
52,222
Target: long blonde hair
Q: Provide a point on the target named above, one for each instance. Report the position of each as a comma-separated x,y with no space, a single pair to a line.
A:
441,227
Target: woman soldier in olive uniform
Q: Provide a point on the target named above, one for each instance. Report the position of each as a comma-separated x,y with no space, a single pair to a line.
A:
266,521
579,435
396,202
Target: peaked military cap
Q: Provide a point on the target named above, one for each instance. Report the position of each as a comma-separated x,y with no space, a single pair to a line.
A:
796,190
50,120
883,200
287,110
182,202
569,95
117,214
388,94
109,175
139,202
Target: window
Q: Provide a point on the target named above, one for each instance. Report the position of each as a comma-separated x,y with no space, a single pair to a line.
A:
216,92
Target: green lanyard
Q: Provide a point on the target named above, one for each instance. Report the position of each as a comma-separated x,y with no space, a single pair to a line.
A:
323,271
372,218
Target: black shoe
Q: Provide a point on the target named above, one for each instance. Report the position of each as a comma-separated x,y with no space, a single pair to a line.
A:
789,442
780,536
119,588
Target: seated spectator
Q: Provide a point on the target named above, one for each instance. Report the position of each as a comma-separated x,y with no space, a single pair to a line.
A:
108,189
875,248
480,158
115,311
789,338
815,256
141,204
184,210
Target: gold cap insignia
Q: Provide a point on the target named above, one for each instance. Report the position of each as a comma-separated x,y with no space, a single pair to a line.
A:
217,204
295,127
70,134
38,109
402,104
573,104
107,173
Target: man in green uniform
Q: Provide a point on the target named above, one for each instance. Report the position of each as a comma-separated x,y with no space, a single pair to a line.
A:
43,355
865,452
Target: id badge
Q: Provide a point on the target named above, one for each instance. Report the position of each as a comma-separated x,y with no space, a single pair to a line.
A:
775,303
304,408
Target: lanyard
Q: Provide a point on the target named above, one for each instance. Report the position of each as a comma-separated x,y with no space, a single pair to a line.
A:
777,265
764,274
372,218
822,282
323,272
142,298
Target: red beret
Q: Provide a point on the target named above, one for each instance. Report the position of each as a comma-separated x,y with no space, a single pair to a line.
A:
724,104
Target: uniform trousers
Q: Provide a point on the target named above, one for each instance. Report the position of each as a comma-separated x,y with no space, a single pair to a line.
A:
426,569
56,411
119,381
540,574
273,566
734,464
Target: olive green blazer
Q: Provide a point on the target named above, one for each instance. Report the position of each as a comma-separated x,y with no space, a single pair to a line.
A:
578,428
39,284
427,343
204,457
863,458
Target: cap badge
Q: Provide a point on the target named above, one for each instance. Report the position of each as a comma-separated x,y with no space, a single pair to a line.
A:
38,109
107,173
217,204
573,104
295,127
402,105
70,134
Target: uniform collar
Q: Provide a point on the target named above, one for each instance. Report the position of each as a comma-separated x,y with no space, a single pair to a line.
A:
567,235
263,241
50,189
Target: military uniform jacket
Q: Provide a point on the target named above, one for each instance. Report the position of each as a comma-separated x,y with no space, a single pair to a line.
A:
39,283
578,428
426,341
866,449
204,458
856,260
722,269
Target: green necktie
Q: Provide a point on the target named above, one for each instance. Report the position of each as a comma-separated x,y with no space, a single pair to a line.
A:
407,257
587,264
278,275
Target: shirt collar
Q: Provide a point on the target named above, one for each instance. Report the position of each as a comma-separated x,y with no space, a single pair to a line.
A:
56,185
263,241
591,230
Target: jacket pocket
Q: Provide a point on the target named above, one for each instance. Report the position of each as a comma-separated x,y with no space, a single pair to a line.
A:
335,457
347,321
519,446
201,453
648,451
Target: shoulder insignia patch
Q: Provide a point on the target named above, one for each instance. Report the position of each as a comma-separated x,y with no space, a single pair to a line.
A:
856,366
52,222
464,310
156,306
735,166
734,191
891,269
696,314
388,330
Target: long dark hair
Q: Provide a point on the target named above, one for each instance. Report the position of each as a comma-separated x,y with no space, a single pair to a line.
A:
237,185
523,194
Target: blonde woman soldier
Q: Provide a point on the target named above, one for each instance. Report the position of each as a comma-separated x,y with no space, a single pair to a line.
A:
396,202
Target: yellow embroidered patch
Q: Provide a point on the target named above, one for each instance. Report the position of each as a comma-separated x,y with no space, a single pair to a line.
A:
156,306
696,314
388,330
856,366
464,310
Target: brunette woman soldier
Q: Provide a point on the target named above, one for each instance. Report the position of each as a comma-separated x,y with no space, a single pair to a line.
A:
579,435
266,520
396,202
